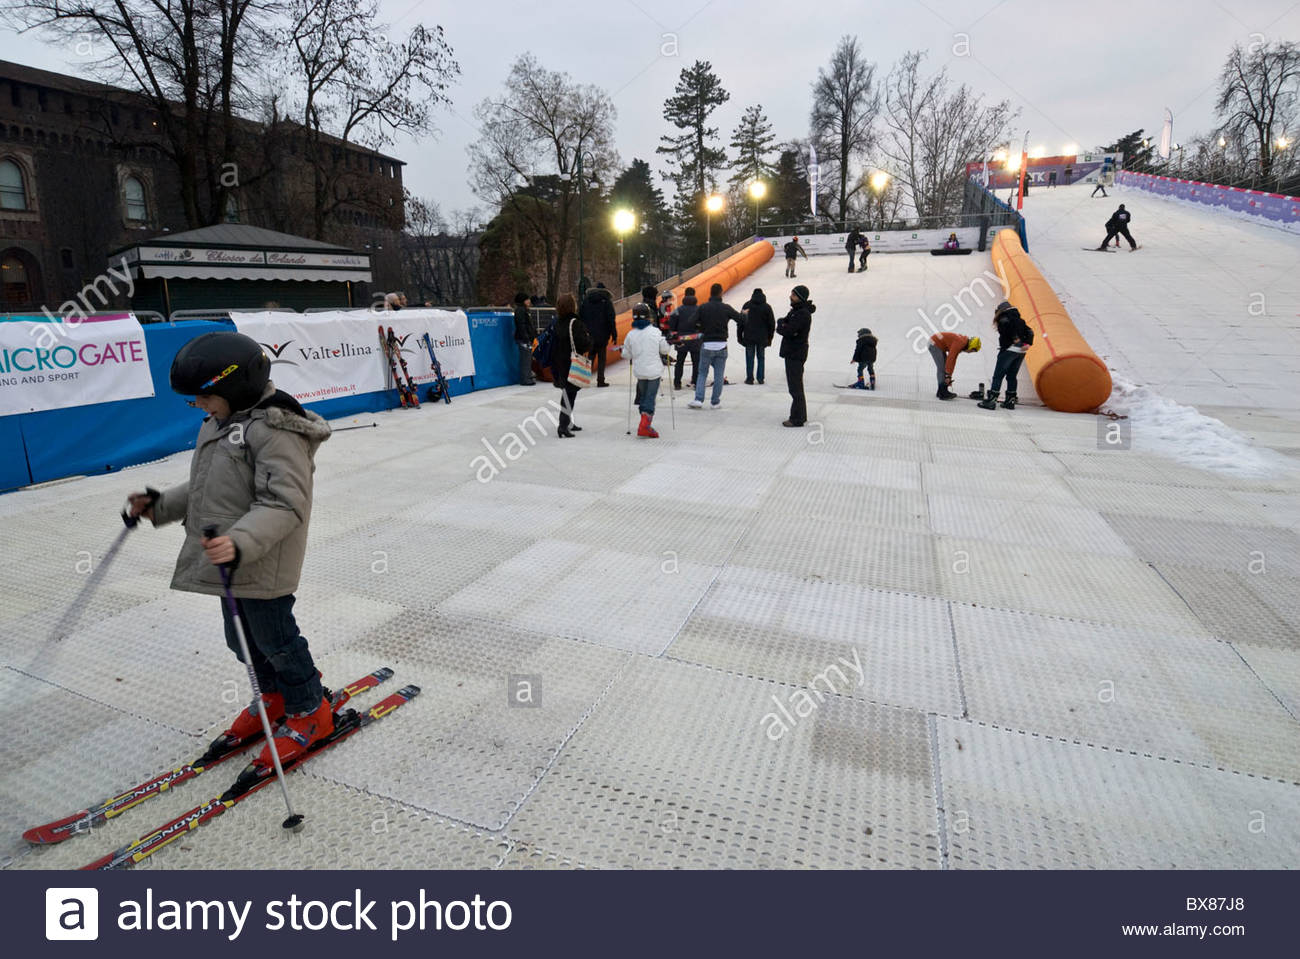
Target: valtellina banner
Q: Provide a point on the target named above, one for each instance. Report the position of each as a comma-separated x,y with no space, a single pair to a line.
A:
321,356
48,364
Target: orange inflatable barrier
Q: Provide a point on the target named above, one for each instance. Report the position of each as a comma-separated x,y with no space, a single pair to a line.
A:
728,272
1068,376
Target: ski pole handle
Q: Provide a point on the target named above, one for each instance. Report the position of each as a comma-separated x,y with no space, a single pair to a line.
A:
133,521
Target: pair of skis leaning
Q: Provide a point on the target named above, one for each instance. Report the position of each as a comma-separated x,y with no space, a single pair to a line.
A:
392,348
407,392
347,722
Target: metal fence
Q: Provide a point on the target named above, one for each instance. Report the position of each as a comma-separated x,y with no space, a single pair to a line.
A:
868,225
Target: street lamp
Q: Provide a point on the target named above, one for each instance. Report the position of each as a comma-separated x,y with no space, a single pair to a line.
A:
711,206
879,180
624,221
581,191
758,190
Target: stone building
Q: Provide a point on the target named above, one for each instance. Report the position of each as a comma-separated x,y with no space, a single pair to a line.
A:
82,173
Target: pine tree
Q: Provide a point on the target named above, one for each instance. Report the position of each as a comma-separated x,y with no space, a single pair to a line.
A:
752,142
697,94
646,250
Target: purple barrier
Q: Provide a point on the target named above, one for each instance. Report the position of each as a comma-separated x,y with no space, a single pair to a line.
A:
1278,208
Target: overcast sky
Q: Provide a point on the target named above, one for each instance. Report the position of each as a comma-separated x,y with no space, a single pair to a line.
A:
1083,73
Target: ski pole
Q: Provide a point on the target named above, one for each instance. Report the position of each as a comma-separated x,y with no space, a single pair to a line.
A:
74,611
294,821
630,377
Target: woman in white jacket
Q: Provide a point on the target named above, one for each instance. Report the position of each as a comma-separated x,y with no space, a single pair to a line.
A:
647,351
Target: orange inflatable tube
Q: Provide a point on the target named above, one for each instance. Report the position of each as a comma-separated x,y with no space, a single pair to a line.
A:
728,272
1068,376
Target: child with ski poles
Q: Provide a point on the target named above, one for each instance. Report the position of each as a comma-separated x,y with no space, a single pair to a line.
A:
251,478
647,352
864,354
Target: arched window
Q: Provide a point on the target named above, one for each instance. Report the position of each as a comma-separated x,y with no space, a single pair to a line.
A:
232,208
13,192
133,197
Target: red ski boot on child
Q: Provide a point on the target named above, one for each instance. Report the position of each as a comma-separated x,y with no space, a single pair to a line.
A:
296,734
645,429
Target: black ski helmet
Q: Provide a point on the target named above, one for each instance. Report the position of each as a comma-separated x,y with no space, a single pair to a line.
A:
222,363
864,332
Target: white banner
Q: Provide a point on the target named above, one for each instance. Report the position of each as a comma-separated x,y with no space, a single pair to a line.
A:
322,356
886,241
48,365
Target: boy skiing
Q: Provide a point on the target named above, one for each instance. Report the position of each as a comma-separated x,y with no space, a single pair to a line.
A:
251,477
864,354
647,352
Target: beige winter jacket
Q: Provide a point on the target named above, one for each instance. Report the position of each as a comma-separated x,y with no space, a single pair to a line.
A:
251,477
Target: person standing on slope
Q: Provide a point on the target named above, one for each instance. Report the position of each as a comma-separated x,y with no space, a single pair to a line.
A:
713,317
794,328
1118,225
944,349
647,352
759,328
525,336
864,354
570,337
792,250
597,315
1014,338
862,256
251,477
682,329
851,244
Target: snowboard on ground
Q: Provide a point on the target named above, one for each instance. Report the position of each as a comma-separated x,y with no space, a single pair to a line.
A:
957,252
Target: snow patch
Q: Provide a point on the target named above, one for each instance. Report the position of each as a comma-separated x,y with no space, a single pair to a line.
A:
1166,428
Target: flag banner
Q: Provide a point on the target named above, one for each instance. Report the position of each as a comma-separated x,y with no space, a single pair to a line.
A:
331,354
47,363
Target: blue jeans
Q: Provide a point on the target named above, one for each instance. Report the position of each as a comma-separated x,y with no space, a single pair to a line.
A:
281,659
1007,365
751,352
646,391
715,360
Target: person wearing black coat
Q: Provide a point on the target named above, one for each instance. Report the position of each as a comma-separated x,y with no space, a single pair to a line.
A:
713,317
1117,225
756,333
864,354
562,346
1014,338
597,315
525,334
851,244
684,323
794,328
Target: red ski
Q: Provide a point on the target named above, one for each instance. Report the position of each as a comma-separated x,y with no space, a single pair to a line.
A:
250,781
387,347
395,347
220,750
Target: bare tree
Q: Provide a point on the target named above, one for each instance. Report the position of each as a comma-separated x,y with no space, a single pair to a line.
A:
356,84
845,107
1258,94
526,159
439,257
933,130
185,58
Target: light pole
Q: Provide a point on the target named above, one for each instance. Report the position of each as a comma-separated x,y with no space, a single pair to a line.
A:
624,221
711,206
758,190
581,191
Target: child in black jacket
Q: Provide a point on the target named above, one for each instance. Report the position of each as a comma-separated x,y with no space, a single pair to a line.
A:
864,354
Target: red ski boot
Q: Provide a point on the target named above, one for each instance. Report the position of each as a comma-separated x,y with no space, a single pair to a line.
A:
645,429
248,724
296,734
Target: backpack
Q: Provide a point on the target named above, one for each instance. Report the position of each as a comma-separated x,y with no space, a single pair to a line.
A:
545,343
